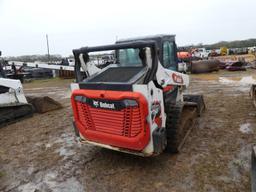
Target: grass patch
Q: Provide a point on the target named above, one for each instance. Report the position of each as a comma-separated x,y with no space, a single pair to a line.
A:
52,82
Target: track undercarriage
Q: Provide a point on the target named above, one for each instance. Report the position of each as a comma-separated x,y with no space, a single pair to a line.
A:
181,119
10,114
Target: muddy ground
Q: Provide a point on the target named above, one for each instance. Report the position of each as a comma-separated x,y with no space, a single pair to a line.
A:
41,154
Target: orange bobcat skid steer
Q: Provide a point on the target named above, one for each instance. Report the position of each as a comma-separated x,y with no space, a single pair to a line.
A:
135,105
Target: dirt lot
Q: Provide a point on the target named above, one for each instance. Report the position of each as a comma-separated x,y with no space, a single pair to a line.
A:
41,154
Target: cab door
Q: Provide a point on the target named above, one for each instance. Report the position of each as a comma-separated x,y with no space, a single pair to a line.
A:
170,55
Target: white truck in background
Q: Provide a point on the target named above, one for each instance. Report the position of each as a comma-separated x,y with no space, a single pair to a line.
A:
201,53
67,62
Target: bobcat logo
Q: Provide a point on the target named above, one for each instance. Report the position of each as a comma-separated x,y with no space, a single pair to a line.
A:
96,103
100,104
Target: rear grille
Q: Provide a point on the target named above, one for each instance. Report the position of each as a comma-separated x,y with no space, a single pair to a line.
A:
126,122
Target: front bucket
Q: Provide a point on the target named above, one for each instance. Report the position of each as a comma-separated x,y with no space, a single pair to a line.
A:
44,104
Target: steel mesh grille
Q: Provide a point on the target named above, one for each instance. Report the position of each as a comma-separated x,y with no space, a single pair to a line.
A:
126,122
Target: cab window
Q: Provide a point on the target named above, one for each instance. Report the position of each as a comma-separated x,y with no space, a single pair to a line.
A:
129,57
168,55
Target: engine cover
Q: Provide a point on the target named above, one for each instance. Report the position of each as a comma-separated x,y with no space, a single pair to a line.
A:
116,118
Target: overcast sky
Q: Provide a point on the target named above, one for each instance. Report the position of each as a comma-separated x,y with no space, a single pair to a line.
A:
75,23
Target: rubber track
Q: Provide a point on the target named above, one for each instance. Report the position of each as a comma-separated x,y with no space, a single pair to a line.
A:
13,114
173,115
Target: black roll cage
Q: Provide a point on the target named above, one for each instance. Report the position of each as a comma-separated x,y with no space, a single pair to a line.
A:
136,45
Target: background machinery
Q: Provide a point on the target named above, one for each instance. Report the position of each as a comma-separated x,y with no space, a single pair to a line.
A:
13,103
135,105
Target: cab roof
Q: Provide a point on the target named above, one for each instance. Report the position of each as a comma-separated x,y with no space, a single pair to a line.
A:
158,37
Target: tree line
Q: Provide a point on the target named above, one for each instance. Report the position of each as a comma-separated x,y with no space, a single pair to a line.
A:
33,58
228,44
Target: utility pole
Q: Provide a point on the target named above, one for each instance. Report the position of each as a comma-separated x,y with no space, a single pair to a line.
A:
48,51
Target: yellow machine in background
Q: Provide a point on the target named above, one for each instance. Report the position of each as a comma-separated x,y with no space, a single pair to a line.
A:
223,51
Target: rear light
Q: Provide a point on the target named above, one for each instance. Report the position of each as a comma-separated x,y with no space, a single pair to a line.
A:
80,98
130,103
